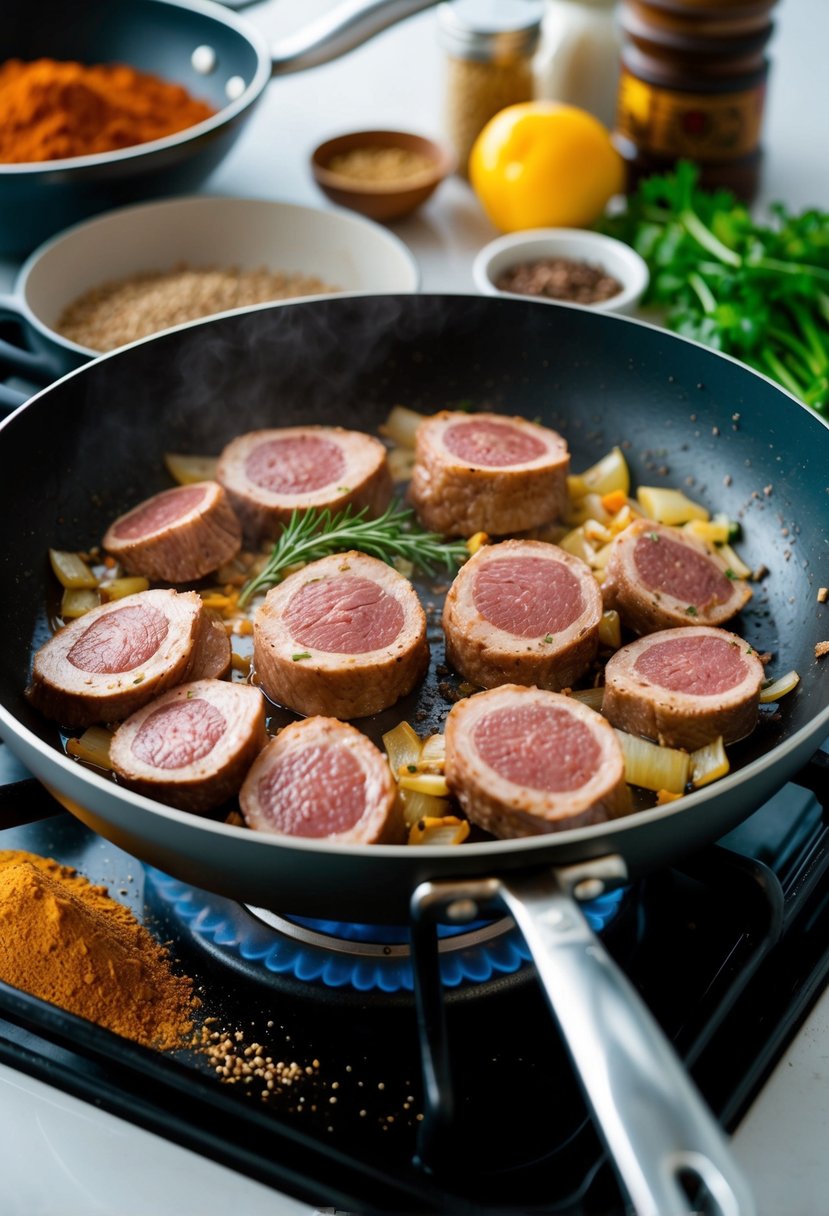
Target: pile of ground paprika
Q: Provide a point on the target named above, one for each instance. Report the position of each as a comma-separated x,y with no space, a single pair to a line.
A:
67,941
50,109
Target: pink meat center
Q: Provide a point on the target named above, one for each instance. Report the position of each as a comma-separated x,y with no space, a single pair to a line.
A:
697,666
314,791
492,444
678,570
344,615
179,734
160,512
530,597
297,465
541,746
120,641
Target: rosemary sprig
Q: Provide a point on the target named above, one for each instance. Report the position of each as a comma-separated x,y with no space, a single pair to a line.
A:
314,534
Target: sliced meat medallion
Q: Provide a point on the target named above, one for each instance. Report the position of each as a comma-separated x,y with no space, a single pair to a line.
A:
270,474
684,687
105,665
345,637
522,612
658,577
178,535
324,780
192,747
523,761
487,473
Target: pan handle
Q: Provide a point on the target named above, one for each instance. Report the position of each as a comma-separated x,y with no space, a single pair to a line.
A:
348,25
37,367
671,1156
659,1132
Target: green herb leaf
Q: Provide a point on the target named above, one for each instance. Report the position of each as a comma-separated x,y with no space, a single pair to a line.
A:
305,654
315,534
691,610
756,290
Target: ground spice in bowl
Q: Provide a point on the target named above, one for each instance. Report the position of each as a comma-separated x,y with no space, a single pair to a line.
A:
66,941
50,109
380,164
113,314
560,279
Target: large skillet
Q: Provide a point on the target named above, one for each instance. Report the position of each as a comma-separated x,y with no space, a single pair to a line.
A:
230,70
91,445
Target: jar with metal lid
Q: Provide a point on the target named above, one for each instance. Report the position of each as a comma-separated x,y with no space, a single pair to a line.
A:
489,47
692,86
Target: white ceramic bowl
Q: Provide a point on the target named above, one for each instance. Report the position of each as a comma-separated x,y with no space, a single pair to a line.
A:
579,244
340,248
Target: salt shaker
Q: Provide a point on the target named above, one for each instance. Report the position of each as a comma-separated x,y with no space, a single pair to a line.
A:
578,58
489,47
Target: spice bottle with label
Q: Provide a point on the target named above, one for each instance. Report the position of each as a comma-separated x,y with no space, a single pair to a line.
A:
692,86
489,47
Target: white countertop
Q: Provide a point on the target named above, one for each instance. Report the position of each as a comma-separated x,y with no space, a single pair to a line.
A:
396,81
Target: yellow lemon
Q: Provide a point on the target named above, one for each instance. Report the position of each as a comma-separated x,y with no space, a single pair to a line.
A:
541,164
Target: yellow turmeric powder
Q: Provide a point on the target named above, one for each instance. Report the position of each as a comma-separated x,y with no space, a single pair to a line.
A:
65,940
50,109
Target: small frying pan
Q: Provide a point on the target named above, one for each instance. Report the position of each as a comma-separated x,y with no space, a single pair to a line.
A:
89,447
216,55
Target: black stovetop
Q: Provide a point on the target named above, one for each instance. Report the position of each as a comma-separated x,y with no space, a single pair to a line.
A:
729,950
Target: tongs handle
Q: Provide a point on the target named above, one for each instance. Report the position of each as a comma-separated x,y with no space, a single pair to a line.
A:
656,1126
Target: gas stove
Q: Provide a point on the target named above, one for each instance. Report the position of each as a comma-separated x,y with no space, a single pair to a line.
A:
322,1097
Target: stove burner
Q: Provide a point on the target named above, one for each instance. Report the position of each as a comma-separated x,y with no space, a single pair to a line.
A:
341,955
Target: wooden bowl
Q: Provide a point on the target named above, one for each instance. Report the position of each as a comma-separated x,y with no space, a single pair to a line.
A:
381,199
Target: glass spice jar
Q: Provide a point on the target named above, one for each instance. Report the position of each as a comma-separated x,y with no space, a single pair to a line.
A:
692,86
489,47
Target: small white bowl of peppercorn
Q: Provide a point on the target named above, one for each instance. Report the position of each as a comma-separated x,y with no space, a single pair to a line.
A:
563,266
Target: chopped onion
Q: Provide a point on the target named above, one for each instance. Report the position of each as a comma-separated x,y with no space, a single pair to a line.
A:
734,563
77,601
422,783
710,531
92,747
709,763
189,469
608,474
576,543
402,746
401,426
422,806
71,570
446,830
434,751
117,588
590,506
401,464
669,506
652,767
778,688
610,629
593,697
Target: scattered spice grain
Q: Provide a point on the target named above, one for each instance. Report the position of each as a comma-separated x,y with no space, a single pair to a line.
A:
114,313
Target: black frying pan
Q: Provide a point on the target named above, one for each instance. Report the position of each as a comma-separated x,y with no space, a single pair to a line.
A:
158,36
90,446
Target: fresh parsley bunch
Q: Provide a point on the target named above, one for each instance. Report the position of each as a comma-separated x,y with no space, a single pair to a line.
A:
759,292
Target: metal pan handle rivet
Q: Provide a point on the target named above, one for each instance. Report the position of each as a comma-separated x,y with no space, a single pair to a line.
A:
204,60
